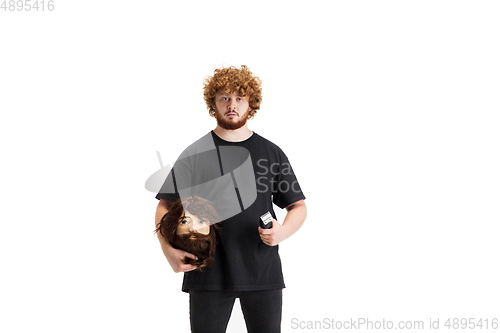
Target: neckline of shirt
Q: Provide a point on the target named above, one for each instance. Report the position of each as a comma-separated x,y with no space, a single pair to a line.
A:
251,137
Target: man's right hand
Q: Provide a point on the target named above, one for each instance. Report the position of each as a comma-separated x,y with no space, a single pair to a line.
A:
175,257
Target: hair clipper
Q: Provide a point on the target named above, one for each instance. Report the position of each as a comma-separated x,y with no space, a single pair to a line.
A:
266,221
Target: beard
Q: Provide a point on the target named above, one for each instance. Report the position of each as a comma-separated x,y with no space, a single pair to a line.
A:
231,125
202,246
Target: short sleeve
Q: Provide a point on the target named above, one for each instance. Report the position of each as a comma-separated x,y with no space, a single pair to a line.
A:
286,188
178,178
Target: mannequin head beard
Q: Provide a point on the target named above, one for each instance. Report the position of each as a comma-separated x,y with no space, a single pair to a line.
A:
230,125
201,245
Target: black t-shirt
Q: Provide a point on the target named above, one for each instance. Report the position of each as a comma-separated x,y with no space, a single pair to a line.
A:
243,179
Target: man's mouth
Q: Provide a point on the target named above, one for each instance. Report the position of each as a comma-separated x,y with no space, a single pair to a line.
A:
231,114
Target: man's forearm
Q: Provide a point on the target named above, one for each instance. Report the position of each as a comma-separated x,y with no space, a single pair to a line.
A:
295,217
161,210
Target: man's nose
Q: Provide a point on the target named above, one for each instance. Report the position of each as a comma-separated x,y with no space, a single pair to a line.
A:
232,105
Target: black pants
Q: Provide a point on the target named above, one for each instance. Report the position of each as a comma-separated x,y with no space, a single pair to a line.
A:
210,310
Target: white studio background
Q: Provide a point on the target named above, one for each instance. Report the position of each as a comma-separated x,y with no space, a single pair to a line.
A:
387,110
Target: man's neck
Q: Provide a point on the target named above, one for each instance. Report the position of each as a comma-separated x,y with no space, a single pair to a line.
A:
238,135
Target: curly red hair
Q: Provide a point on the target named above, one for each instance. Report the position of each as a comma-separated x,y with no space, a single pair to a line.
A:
232,79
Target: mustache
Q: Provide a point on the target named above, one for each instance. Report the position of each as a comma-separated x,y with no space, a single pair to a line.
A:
193,235
195,243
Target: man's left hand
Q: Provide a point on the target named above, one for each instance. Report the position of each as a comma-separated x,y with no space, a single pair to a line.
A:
273,236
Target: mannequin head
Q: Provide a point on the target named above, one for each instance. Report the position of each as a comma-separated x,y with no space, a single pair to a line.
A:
191,225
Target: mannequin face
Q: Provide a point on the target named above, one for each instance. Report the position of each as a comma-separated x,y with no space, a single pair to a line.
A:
195,234
190,223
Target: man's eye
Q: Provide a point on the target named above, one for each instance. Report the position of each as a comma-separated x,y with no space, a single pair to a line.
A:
224,98
203,221
240,99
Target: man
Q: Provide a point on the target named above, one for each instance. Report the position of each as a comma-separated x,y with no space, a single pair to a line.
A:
243,174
